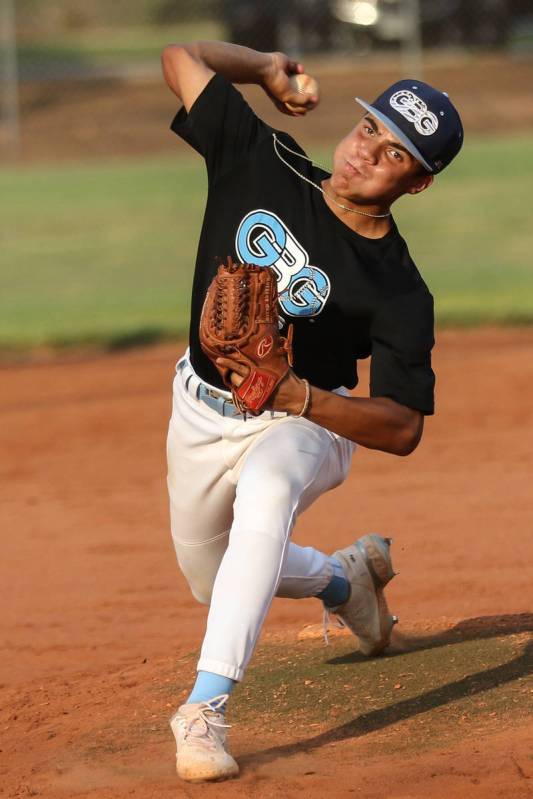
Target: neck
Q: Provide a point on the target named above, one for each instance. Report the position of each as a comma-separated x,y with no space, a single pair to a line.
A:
364,225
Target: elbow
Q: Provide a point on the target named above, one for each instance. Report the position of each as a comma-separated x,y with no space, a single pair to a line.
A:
169,58
173,65
169,52
176,52
171,55
409,437
406,447
177,63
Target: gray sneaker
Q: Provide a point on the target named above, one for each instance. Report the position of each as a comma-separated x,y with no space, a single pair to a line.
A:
367,566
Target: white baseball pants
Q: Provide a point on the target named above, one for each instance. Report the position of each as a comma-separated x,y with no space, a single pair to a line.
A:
236,488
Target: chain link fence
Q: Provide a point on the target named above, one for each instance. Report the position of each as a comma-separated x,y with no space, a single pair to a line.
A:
69,40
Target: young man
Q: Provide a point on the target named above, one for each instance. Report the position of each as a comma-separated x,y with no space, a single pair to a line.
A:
349,287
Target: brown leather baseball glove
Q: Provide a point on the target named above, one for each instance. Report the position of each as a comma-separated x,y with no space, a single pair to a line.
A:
240,320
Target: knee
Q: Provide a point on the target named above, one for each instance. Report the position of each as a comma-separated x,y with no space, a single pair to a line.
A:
201,588
200,582
200,562
202,594
279,491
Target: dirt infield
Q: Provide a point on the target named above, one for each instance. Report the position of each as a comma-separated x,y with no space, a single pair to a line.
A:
118,118
98,629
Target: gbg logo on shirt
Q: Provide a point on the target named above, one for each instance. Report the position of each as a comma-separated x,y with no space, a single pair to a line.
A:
263,239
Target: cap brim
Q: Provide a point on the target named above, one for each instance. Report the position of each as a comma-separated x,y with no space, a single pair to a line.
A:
400,135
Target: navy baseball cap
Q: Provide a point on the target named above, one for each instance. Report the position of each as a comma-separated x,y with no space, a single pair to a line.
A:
423,119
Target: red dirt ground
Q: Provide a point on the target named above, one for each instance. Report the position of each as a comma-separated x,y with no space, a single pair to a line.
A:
94,602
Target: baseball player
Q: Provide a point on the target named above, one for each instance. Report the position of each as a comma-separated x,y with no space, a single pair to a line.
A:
349,288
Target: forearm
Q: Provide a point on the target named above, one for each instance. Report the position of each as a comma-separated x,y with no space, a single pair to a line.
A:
373,422
237,64
188,68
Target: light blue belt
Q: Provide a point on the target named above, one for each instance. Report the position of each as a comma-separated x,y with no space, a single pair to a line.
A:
217,400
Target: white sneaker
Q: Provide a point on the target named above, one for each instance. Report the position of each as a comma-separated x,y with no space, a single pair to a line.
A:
200,734
367,566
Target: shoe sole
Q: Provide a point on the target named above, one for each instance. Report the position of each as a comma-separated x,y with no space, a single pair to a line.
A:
197,780
386,623
375,551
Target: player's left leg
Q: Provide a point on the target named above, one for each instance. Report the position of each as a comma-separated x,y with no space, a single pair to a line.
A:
355,592
349,582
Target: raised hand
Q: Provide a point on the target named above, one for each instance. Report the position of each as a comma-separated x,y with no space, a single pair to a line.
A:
280,85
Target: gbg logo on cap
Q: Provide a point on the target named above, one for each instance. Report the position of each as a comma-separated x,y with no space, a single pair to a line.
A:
415,111
433,137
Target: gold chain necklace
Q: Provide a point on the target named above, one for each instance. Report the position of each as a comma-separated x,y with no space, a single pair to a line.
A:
307,180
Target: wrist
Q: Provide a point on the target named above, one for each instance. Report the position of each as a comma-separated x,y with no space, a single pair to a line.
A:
304,407
266,69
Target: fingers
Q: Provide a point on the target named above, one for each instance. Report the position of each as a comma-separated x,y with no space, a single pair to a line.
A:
295,68
239,371
298,104
293,111
236,380
234,366
294,106
303,94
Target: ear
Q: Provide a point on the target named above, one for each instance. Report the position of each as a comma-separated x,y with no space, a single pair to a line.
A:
420,183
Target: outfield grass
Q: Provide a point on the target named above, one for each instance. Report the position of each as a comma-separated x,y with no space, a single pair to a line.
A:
472,237
105,253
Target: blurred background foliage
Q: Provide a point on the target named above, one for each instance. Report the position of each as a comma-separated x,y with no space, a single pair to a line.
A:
36,17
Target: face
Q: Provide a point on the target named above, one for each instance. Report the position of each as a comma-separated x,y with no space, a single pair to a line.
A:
370,166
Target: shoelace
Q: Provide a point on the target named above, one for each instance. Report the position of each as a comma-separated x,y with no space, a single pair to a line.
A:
325,624
213,704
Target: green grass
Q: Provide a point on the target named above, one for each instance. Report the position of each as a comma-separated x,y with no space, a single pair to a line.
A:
335,688
471,234
105,252
98,253
472,679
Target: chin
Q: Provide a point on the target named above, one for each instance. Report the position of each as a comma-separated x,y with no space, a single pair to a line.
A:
345,186
351,190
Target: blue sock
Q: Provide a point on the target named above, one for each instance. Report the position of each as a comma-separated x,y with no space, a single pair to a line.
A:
209,685
337,590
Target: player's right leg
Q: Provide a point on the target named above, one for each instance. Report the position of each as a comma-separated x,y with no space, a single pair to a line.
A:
201,512
205,451
201,498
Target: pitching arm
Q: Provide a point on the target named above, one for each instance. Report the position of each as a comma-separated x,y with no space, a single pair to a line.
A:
188,68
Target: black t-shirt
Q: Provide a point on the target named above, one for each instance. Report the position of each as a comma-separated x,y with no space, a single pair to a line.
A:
348,296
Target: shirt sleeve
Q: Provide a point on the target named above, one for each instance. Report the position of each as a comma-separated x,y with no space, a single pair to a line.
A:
220,126
402,339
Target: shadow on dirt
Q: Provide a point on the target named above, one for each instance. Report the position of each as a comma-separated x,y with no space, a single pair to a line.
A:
478,628
467,630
